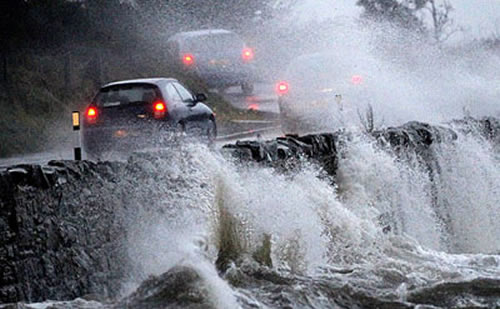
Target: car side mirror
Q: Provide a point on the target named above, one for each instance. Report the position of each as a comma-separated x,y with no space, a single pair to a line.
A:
190,102
201,97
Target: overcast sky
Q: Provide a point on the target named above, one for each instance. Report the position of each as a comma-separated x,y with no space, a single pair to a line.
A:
481,18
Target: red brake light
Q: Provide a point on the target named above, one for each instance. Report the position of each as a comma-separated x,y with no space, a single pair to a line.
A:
247,54
188,59
159,109
282,88
253,107
357,79
91,114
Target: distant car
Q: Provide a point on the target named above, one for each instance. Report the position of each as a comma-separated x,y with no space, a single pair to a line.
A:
219,57
136,113
320,91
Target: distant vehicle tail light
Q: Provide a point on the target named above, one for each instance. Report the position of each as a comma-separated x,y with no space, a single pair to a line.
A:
282,88
247,54
357,79
91,114
159,109
188,59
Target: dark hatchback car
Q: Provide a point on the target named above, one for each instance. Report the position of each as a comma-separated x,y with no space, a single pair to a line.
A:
138,113
219,57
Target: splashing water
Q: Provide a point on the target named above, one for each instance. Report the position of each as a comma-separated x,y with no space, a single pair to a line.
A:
387,229
389,223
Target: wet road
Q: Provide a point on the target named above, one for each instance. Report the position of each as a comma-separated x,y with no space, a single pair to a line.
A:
263,99
265,132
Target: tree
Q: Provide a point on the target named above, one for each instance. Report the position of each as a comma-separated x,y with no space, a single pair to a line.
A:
443,26
401,13
406,13
189,14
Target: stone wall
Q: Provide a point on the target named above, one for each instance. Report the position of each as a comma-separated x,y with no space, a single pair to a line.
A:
60,232
324,148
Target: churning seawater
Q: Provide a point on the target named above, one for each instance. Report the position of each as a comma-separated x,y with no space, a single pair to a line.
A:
387,232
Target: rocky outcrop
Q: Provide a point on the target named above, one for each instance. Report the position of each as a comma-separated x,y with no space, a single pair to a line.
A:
282,151
180,287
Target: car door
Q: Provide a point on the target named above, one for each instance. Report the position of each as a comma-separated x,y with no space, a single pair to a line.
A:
196,120
178,110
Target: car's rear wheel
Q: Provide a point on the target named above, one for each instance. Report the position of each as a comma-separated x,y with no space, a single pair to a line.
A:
211,131
177,133
247,88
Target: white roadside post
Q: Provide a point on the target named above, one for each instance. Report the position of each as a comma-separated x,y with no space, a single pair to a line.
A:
76,129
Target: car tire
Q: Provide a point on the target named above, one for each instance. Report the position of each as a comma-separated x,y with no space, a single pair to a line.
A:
180,128
247,88
211,131
179,131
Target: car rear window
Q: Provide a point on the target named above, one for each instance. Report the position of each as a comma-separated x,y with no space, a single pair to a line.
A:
214,43
127,94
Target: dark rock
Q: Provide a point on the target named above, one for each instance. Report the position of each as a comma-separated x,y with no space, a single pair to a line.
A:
29,175
451,294
416,135
8,294
180,287
284,151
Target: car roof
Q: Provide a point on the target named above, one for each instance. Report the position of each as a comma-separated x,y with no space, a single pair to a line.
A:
155,81
312,56
327,56
327,59
198,33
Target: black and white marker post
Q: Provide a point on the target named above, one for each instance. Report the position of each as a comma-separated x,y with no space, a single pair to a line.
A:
76,130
